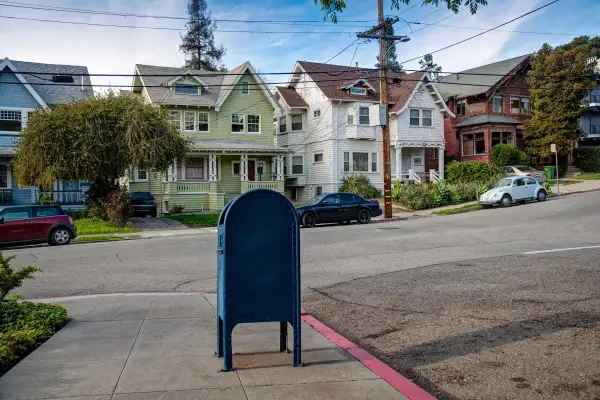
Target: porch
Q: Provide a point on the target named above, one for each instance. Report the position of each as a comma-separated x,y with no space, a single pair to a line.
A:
418,164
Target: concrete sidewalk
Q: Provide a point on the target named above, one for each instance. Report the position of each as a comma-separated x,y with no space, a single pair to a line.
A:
161,346
584,186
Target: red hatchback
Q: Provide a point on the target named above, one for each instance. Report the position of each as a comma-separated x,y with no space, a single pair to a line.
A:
35,224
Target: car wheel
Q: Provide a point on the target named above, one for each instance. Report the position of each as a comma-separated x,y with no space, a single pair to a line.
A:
541,196
309,220
60,236
344,222
486,205
506,200
364,216
153,214
522,202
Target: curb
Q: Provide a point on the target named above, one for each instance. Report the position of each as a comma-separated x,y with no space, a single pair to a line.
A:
127,294
402,384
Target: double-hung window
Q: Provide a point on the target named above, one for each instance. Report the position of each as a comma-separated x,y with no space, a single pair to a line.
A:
253,123
282,125
189,121
461,108
497,104
245,87
355,161
473,144
502,138
373,162
297,165
316,113
194,168
237,123
4,182
360,162
519,105
346,161
414,117
175,119
419,117
426,118
203,122
318,158
297,122
363,115
10,120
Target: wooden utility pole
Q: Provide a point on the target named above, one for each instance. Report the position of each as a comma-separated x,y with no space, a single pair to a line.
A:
378,32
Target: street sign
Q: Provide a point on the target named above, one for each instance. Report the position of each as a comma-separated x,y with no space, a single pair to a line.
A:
553,148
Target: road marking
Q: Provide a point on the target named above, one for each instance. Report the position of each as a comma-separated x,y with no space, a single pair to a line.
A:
565,249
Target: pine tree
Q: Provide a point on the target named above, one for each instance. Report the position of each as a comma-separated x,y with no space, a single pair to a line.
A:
428,65
559,79
198,44
392,59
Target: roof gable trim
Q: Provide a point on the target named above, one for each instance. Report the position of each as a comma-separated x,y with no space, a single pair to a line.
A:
6,63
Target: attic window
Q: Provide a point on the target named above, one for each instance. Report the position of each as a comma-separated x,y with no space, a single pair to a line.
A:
358,90
63,79
195,90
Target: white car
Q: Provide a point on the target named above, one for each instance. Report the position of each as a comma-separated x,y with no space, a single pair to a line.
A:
523,170
514,189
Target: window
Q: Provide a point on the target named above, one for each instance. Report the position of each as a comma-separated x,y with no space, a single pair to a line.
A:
519,182
530,181
331,199
189,121
253,123
188,89
316,113
297,122
318,158
417,160
461,106
414,117
175,119
260,169
194,168
245,87
203,122
502,138
346,161
360,162
363,115
347,198
519,105
237,123
235,168
41,212
3,176
373,162
141,175
297,165
358,90
436,153
473,144
319,191
426,114
282,125
16,214
350,119
497,104
10,120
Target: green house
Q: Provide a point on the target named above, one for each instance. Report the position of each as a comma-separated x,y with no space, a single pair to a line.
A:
229,118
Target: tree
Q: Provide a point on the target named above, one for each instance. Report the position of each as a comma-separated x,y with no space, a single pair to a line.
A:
11,279
559,79
96,140
392,59
333,7
428,65
198,44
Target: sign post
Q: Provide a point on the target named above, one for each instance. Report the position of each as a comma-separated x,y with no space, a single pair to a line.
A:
553,150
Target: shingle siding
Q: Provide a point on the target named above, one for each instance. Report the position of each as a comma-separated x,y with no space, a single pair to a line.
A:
13,94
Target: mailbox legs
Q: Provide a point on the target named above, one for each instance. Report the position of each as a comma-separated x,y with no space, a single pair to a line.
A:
219,352
283,336
227,348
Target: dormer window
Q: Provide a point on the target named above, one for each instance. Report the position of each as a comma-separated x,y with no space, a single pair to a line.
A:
358,91
195,90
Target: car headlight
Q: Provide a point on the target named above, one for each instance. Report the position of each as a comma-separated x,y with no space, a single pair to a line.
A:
496,196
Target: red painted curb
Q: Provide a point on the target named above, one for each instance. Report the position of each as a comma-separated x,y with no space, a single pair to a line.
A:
404,385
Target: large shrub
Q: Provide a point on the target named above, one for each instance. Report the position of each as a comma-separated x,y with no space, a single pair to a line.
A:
470,171
11,279
588,159
504,154
359,184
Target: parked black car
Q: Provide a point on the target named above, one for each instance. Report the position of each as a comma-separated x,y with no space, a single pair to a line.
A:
143,204
337,207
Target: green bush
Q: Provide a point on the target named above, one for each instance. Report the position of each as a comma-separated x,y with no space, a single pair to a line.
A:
588,159
359,184
11,279
176,209
76,214
470,171
524,158
504,154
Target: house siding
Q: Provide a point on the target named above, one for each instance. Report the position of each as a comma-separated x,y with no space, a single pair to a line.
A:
422,100
13,94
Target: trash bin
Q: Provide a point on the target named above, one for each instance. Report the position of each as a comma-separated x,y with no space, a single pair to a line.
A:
549,171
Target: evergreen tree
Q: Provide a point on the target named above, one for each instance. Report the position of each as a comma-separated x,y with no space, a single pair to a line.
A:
392,59
428,65
559,79
198,44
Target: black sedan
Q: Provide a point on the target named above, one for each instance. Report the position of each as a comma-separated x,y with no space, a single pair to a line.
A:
337,207
142,204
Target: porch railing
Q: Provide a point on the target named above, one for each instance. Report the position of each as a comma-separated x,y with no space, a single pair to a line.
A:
274,185
66,197
434,176
413,176
193,187
5,197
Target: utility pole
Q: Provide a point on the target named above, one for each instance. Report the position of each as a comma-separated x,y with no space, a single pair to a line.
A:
378,32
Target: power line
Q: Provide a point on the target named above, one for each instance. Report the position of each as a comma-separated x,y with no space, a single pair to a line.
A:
502,30
343,50
482,33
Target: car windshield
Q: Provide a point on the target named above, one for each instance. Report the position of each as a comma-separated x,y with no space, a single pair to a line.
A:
141,195
310,202
504,183
524,168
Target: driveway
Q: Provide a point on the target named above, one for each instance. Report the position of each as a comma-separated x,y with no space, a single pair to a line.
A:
156,224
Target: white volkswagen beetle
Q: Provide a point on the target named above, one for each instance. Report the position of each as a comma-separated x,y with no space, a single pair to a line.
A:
514,189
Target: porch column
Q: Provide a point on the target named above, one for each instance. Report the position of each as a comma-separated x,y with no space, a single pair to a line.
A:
212,167
399,164
279,167
273,168
441,161
244,167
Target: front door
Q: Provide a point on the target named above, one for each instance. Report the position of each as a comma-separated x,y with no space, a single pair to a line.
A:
406,164
251,171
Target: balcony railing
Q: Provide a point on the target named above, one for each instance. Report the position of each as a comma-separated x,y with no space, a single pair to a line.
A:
5,197
193,187
273,185
66,197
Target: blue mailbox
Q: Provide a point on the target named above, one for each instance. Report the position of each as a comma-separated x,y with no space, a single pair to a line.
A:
258,268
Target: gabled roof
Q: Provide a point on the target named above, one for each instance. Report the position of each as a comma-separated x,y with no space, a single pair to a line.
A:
455,85
41,87
400,93
291,97
487,119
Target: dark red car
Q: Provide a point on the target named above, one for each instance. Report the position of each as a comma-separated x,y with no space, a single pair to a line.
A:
35,224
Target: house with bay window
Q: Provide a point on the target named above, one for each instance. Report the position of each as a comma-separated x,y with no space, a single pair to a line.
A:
491,103
229,119
22,91
325,124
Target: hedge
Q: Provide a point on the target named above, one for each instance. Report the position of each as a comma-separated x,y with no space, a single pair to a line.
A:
588,159
470,171
359,184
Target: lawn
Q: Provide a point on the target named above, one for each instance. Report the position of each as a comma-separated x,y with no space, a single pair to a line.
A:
589,176
458,210
94,226
565,182
197,220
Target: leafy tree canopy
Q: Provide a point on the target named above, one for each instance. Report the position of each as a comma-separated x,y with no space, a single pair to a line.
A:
392,58
559,79
333,7
198,44
428,65
96,140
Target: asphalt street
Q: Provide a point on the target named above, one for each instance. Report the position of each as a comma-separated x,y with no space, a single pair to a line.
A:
330,254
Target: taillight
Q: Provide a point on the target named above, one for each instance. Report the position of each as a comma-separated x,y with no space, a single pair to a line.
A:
527,174
153,201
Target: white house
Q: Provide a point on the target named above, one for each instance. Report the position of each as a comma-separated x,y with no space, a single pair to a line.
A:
326,123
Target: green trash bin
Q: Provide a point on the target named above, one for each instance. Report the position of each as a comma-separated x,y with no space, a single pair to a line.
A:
549,171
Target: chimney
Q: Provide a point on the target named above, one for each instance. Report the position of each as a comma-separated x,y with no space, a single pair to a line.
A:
357,65
82,88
